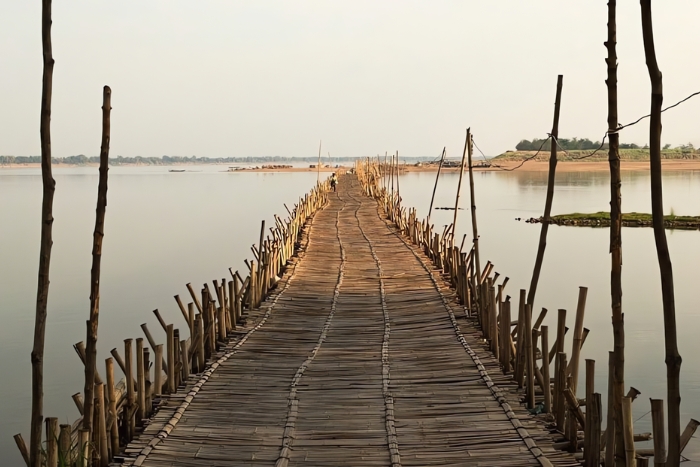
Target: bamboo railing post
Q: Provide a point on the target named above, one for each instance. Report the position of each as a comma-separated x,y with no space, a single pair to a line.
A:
673,357
688,433
493,320
151,342
560,382
519,360
545,370
65,448
530,372
170,349
98,235
467,143
590,389
49,185
593,418
475,231
194,297
559,347
184,357
610,431
190,319
628,430
578,336
505,336
101,425
659,432
140,383
573,412
437,177
233,302
112,406
83,448
201,361
550,197
130,396
253,285
158,373
51,442
78,400
212,328
176,353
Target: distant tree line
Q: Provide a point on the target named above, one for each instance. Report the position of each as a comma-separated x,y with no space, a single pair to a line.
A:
574,144
173,160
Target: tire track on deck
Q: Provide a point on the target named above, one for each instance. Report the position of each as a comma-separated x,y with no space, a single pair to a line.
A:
386,367
293,401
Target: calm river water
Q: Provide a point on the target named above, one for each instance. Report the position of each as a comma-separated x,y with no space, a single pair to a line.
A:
166,229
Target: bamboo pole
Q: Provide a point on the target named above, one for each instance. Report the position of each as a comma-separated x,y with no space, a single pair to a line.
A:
688,433
101,428
530,364
550,197
590,389
49,186
437,177
51,442
65,448
615,234
673,357
22,446
130,396
519,360
659,432
593,414
505,335
578,337
78,401
98,235
628,432
467,144
475,230
140,383
152,342
545,370
318,166
112,406
170,349
200,347
158,373
610,422
560,384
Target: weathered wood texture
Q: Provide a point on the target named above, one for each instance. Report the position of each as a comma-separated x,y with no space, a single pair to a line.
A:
361,356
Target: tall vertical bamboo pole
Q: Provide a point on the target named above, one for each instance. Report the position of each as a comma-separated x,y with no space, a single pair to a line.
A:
467,144
550,196
42,295
615,236
673,358
659,432
318,166
437,177
472,199
545,370
98,235
398,187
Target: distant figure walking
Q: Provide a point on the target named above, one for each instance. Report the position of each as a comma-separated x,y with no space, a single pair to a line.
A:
334,181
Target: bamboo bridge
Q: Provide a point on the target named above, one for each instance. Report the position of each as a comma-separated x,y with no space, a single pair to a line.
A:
361,356
358,337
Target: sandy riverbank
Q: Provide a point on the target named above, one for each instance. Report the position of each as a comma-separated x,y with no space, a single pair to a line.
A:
564,166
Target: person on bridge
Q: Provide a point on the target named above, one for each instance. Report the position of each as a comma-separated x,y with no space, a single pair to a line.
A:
334,180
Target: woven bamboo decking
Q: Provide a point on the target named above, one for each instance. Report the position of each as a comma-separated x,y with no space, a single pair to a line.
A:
360,358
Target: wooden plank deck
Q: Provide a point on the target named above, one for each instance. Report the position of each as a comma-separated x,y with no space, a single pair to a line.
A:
360,358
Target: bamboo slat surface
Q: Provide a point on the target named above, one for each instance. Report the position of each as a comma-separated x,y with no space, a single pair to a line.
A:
361,357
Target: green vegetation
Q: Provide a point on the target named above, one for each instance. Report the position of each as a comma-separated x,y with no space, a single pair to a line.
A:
575,149
630,219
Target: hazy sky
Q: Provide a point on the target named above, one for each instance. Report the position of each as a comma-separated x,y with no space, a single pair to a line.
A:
265,77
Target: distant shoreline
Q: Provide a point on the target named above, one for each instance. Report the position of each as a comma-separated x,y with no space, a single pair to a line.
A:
674,165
